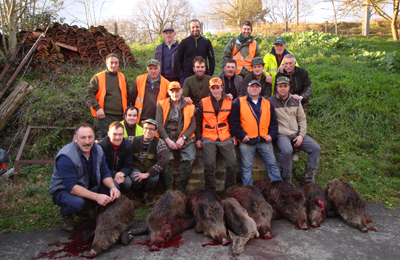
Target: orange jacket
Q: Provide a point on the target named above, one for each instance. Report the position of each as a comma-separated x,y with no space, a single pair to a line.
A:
141,86
244,62
188,113
101,77
248,120
216,127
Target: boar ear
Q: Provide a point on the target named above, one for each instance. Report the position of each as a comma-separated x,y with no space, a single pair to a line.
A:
231,234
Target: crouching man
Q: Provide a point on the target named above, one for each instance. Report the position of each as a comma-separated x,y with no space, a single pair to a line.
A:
292,132
150,157
176,126
119,155
81,179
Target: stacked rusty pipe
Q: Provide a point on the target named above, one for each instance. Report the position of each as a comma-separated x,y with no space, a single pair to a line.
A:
80,45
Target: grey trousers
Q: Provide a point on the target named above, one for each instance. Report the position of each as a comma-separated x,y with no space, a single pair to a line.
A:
308,145
101,125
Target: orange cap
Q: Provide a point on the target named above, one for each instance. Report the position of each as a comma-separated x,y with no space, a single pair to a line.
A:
174,85
215,82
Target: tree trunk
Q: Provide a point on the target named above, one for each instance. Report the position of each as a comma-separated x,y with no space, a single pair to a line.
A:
395,32
13,101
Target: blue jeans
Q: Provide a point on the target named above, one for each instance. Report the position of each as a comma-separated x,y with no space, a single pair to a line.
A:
266,151
72,204
150,181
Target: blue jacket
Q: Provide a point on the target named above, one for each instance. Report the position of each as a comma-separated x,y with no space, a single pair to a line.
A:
168,70
71,151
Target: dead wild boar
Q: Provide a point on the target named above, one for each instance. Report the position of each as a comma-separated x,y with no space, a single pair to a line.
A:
237,219
315,204
287,201
206,207
118,216
343,200
256,206
167,219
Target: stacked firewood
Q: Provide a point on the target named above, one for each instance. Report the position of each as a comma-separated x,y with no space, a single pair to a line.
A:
70,43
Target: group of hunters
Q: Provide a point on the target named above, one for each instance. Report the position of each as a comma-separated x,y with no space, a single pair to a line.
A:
179,106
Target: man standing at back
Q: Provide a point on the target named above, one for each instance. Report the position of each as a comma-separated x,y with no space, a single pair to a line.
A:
107,95
166,55
242,49
192,46
148,89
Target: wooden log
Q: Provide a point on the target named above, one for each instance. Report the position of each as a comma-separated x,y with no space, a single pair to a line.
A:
13,101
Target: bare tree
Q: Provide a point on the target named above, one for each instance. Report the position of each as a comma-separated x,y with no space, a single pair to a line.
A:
124,27
153,16
392,20
286,11
235,12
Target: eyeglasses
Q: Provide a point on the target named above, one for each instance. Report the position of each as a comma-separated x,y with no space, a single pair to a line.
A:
149,129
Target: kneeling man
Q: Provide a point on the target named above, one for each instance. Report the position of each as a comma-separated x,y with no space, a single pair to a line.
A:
81,178
292,132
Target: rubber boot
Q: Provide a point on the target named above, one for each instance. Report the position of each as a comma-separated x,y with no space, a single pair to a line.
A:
185,170
167,175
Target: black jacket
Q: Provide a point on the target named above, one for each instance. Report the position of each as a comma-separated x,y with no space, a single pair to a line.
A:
300,83
188,49
119,160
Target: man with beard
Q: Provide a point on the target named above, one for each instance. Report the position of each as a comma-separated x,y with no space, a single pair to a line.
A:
196,86
292,132
233,83
150,157
273,60
81,179
242,49
119,155
166,55
257,74
148,89
107,95
192,46
131,128
176,125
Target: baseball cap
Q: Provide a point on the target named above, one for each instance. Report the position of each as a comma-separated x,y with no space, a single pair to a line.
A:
283,79
174,85
256,61
150,121
168,29
215,82
254,81
153,62
280,40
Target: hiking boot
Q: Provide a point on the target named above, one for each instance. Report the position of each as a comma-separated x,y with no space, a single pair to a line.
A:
67,222
308,176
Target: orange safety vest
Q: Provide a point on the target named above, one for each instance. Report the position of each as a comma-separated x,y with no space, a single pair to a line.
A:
101,93
188,113
141,86
248,120
242,62
216,127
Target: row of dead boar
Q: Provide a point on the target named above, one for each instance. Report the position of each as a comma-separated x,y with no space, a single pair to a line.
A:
246,213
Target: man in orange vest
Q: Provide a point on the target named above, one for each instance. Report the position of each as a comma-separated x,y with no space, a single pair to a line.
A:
148,89
242,49
107,95
176,126
254,124
213,134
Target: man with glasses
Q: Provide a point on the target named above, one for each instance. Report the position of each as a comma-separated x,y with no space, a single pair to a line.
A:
150,157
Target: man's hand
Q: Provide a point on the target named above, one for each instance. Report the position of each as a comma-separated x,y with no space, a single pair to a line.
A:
268,138
140,176
119,177
281,68
103,199
235,142
100,114
188,100
295,96
114,193
180,142
199,144
230,96
268,79
171,144
299,141
246,139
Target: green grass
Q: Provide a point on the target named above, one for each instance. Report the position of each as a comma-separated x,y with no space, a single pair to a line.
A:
353,116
